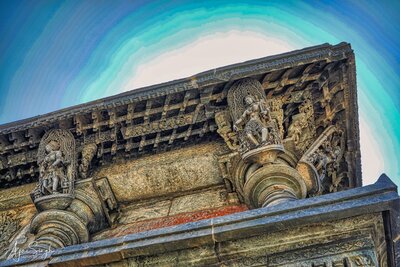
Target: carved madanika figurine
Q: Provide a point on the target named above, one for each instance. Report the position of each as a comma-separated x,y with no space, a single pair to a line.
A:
259,127
57,164
52,169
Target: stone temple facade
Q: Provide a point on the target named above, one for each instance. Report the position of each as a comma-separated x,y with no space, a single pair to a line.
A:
253,164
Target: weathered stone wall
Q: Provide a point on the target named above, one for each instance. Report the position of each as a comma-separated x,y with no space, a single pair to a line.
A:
166,173
169,188
155,191
157,213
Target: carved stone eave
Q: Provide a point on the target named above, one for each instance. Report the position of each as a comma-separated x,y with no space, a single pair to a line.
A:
355,219
163,116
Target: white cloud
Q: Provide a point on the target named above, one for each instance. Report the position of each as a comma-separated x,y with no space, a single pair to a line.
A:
206,53
371,156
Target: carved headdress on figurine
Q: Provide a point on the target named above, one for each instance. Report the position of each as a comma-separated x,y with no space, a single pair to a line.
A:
238,93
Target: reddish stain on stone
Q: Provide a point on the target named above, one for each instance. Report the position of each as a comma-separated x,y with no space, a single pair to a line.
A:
171,220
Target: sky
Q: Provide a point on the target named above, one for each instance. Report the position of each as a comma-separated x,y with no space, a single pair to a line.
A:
55,54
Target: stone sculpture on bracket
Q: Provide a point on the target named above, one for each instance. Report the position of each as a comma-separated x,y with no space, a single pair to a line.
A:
68,210
277,156
265,173
253,122
259,128
322,159
57,164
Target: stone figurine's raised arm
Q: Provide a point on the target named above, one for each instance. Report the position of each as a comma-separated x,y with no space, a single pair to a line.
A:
58,160
241,120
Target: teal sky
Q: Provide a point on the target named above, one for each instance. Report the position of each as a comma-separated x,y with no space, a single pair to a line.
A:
55,54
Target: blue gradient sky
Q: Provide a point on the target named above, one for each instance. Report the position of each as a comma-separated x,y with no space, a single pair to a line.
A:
55,54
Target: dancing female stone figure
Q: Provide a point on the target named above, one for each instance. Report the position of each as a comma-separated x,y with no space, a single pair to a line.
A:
57,165
52,169
256,120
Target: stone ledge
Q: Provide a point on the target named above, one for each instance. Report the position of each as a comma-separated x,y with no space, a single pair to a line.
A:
380,197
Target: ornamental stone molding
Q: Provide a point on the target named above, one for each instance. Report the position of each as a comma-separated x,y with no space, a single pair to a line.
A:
252,164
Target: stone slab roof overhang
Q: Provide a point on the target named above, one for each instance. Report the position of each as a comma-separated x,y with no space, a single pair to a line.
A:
379,198
168,115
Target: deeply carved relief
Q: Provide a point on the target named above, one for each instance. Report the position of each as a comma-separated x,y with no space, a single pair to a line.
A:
224,123
9,225
13,229
282,131
88,152
58,170
323,158
255,126
302,129
252,117
259,176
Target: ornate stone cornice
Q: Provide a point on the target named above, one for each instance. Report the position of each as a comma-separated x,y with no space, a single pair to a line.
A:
237,71
168,115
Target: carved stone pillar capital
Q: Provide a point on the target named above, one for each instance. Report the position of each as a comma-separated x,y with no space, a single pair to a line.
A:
272,184
58,228
69,209
265,172
276,155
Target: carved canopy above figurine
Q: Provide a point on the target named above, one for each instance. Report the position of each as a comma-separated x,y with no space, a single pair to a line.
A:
303,100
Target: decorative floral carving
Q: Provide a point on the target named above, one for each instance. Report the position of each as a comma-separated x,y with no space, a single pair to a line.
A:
302,129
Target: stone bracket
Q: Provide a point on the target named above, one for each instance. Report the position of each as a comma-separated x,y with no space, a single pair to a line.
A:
108,200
